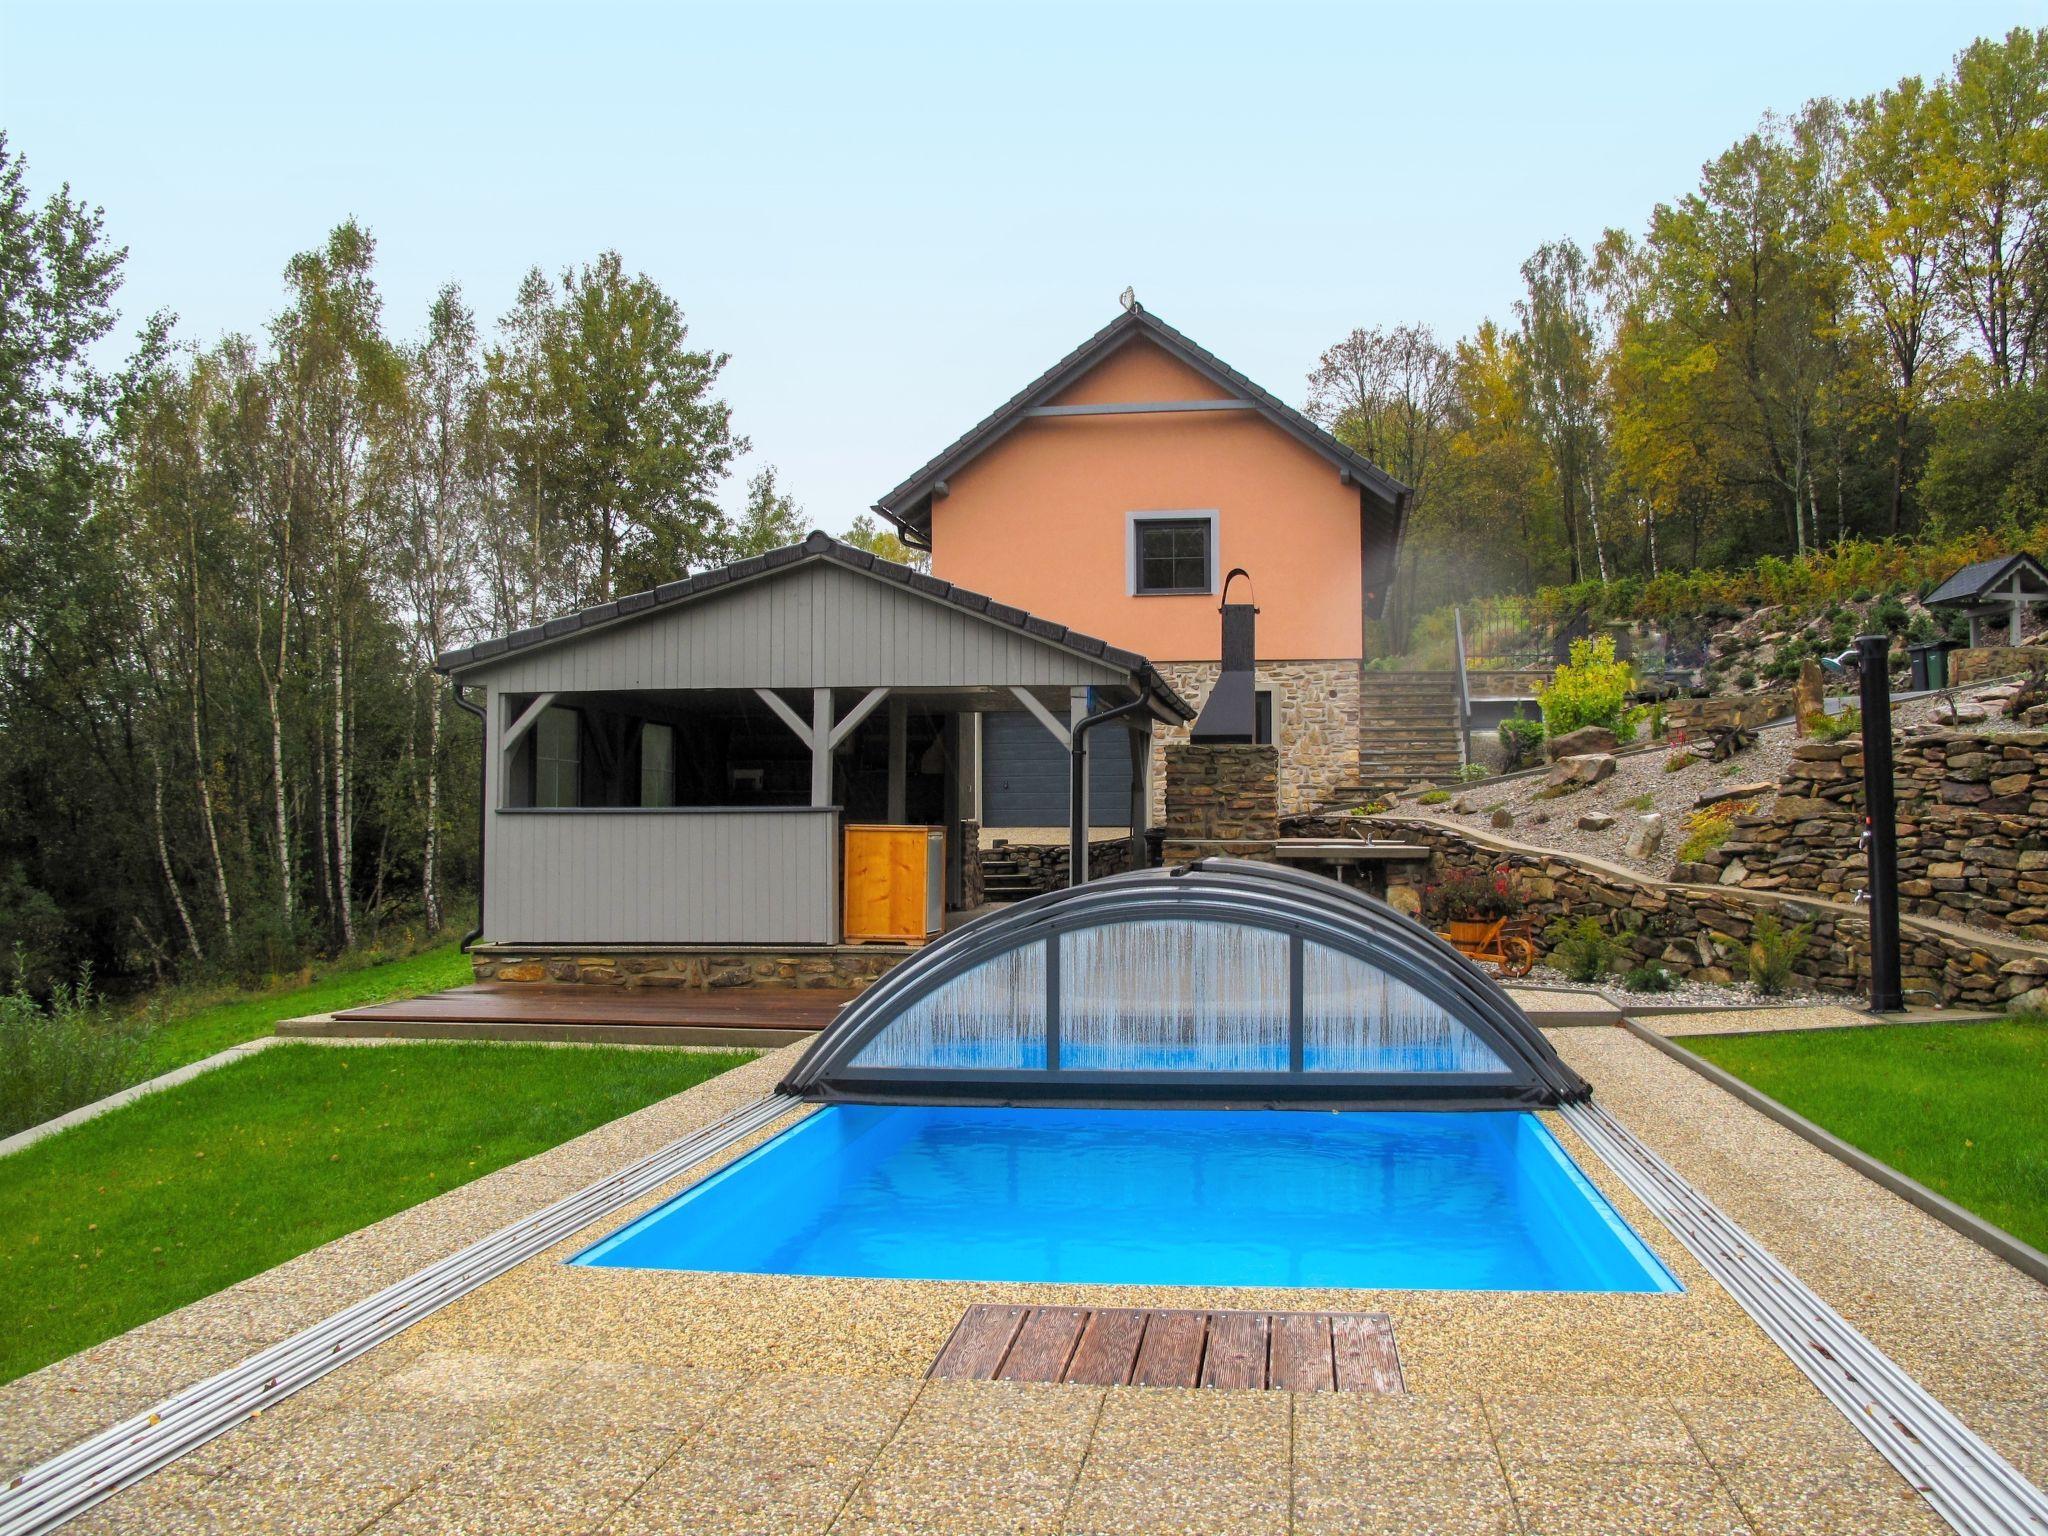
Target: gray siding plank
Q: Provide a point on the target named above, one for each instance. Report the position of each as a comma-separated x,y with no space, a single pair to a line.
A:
624,877
812,626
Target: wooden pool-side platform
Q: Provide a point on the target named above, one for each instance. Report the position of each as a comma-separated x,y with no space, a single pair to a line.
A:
759,1018
1135,1347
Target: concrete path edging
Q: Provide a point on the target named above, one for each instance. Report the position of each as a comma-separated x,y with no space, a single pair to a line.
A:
129,1095
2023,1256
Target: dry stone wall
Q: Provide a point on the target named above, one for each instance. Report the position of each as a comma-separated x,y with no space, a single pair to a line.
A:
1701,933
1972,823
691,969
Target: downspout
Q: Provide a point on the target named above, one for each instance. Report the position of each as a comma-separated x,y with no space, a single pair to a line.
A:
483,779
1077,783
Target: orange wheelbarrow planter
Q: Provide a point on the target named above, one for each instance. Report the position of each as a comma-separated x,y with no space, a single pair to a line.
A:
1489,940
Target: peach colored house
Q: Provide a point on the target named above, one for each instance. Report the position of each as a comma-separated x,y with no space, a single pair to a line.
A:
1117,490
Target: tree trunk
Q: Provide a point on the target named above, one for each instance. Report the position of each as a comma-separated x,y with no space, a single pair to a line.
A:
343,840
163,859
430,854
205,790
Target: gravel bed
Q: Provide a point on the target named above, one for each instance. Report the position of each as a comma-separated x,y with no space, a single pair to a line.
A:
1640,785
1686,994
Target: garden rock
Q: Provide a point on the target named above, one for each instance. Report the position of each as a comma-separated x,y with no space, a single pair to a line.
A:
1734,792
1579,771
1503,817
1586,739
1647,838
1595,821
1809,699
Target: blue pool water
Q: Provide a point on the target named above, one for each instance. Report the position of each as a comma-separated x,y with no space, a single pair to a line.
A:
1482,1201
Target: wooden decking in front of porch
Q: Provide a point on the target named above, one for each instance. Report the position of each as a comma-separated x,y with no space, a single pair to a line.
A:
758,1018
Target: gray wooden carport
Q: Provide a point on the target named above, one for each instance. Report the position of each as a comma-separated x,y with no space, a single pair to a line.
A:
824,636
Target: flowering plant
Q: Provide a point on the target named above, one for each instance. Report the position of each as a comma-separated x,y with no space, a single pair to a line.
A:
1468,896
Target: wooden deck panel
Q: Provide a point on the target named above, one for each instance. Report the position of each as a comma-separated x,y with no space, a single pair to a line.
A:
1108,1351
1171,1355
780,1008
979,1344
1124,1346
1236,1357
1044,1345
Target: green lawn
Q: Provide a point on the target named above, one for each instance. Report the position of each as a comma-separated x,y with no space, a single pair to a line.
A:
198,1029
168,1199
1963,1108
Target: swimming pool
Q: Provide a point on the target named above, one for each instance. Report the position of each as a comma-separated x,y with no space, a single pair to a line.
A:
1365,1199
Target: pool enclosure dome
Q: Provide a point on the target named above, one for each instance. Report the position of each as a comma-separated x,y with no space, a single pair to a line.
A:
1219,982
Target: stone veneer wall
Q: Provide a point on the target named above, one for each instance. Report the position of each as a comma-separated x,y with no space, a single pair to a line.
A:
1972,820
1699,932
969,833
1315,721
700,969
1227,793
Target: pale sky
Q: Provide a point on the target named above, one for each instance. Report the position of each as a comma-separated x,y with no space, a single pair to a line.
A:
894,217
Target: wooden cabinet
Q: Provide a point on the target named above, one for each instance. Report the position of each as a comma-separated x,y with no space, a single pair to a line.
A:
895,884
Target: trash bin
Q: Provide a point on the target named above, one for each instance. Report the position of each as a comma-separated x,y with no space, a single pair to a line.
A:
1930,664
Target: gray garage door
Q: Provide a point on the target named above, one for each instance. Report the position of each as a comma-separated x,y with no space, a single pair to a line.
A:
1024,774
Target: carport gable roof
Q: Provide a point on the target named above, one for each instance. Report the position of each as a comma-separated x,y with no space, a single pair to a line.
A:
818,547
909,504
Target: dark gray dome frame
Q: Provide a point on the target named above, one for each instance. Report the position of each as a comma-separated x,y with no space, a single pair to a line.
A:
1302,906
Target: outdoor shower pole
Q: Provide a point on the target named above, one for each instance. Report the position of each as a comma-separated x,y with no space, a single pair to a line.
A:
1880,822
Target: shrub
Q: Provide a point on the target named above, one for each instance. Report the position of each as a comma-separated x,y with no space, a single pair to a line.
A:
58,1057
1890,615
1370,808
1708,829
1590,689
1583,950
1463,896
1520,740
1834,727
1659,726
1923,630
1773,951
1745,679
1433,797
1649,978
1472,773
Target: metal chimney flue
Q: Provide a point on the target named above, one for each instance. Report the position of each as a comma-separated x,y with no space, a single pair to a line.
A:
1231,713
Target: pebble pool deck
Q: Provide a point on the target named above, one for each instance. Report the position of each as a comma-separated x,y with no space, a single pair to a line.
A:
568,1399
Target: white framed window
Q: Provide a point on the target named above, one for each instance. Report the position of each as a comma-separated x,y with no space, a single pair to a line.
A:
1171,554
558,758
657,764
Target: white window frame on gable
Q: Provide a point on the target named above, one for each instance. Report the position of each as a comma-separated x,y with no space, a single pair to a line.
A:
1134,522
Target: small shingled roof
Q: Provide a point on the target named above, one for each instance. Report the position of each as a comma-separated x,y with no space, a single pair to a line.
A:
819,546
909,504
1973,581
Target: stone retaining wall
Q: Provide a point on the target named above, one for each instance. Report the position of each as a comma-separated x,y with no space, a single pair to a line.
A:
849,966
1701,932
1748,710
1973,663
1972,822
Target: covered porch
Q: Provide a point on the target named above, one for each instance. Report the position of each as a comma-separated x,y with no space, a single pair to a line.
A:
682,767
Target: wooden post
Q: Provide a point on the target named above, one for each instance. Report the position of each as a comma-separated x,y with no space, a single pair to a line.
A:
899,759
821,746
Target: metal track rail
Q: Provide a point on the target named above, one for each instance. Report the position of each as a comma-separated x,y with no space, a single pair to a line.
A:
1968,1483
52,1492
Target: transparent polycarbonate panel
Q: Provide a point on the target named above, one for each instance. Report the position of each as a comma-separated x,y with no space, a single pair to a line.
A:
991,1018
1173,996
1357,1018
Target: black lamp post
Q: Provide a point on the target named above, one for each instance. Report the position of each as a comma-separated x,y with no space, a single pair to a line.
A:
1880,822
